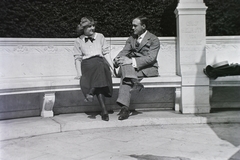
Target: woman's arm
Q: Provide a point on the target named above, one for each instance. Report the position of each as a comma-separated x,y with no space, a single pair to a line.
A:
77,53
107,54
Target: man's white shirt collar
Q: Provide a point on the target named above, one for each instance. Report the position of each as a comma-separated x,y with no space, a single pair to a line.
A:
140,38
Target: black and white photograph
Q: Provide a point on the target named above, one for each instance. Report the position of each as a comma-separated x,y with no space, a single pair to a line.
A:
119,80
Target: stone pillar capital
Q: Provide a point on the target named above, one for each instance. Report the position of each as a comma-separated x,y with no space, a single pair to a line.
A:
189,7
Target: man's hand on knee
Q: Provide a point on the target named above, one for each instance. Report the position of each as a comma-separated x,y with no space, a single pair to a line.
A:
124,60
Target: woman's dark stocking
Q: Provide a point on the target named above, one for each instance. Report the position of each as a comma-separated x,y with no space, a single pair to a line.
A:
101,100
89,97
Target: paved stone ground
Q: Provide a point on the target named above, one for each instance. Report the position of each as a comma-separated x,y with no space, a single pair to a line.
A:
157,142
156,135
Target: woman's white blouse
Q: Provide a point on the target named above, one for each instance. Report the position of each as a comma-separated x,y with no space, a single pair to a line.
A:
84,50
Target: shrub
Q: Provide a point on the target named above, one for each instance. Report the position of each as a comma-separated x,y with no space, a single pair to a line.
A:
59,18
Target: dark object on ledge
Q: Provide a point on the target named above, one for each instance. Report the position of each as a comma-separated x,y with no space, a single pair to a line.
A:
222,69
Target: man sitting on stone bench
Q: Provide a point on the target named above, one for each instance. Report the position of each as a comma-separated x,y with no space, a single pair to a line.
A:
138,59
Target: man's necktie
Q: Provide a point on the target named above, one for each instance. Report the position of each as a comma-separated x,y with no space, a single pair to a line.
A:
89,38
138,41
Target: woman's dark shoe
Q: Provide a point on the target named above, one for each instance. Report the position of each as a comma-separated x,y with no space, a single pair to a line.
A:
89,98
105,117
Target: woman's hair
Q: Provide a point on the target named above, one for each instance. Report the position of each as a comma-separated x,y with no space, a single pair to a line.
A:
85,22
79,30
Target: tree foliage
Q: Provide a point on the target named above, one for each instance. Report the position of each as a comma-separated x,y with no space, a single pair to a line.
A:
223,17
59,18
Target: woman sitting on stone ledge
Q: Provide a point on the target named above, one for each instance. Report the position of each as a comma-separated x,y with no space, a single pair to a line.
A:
90,48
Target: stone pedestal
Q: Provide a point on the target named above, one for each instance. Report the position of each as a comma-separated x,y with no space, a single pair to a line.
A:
191,56
48,102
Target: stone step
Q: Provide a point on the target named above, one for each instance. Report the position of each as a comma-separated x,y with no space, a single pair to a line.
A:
35,126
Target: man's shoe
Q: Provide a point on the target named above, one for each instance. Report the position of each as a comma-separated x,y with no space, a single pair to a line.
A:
124,113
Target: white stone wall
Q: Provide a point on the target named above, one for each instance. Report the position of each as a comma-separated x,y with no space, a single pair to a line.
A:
31,58
225,48
36,59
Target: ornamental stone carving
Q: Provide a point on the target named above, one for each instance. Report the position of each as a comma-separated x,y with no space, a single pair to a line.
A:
167,47
20,48
220,47
50,49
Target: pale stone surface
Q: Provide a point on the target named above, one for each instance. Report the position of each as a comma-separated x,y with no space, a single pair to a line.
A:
25,127
195,95
195,99
165,142
195,80
10,129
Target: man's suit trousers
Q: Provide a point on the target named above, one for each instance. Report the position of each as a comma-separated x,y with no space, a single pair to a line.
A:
128,73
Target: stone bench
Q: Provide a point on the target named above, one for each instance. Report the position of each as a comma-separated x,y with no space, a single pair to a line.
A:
47,66
49,86
227,92
229,81
227,89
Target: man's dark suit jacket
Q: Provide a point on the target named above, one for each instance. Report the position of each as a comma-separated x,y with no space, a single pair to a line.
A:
145,54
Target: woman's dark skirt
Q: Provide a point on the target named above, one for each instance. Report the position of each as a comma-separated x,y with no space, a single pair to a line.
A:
96,74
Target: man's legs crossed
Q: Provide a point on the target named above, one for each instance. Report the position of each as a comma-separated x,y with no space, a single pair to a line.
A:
129,81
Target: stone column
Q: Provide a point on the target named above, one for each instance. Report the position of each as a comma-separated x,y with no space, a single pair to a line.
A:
191,56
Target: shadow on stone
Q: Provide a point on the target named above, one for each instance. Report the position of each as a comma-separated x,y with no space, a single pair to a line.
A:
133,112
228,131
236,156
92,115
218,110
153,157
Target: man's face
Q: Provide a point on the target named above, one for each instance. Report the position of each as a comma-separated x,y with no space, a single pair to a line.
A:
137,27
89,30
